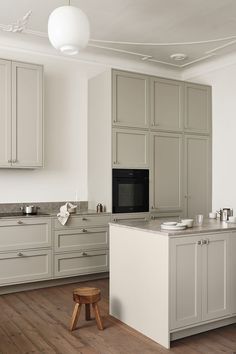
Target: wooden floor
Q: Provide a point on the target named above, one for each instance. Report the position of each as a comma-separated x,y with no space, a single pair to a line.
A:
37,322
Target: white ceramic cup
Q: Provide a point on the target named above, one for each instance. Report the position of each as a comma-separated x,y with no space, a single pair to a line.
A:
232,219
187,222
213,215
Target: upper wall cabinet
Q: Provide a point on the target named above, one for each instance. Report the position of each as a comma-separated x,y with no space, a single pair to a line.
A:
5,113
21,115
197,108
166,104
130,103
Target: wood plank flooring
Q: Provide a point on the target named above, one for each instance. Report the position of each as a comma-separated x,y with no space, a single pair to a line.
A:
37,321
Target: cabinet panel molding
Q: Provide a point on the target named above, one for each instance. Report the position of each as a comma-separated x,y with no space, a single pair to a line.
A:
130,102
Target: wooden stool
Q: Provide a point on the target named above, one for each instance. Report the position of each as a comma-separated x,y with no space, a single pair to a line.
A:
86,296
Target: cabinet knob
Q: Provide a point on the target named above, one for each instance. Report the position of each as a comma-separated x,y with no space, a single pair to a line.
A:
199,242
84,219
20,254
204,242
84,230
84,254
19,222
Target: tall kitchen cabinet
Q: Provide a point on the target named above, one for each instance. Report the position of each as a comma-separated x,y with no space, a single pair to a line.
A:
164,125
21,115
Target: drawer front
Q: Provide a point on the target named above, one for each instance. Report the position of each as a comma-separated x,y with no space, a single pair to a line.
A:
80,239
76,263
25,233
25,266
83,221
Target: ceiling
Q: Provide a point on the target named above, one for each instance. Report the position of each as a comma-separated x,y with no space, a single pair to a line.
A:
142,21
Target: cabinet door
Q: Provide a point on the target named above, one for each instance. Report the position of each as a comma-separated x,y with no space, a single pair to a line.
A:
233,271
197,108
215,277
197,175
27,115
77,263
25,266
166,181
166,104
130,148
130,103
5,113
185,281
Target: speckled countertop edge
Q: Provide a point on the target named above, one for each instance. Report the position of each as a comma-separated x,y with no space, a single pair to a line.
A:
154,226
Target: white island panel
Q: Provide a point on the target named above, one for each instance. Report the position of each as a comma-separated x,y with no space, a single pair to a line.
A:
139,273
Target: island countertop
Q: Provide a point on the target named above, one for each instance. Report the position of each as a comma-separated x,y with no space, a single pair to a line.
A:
154,226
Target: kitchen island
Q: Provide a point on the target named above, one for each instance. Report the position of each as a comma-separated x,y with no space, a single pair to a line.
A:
169,285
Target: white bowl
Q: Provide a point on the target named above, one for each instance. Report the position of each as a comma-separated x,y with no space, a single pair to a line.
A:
187,222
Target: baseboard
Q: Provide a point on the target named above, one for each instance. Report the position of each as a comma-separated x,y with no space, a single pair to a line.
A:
49,283
202,328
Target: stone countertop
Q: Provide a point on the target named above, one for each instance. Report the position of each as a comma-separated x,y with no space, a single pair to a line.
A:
154,226
53,214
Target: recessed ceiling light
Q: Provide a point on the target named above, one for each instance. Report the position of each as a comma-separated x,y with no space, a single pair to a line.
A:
178,56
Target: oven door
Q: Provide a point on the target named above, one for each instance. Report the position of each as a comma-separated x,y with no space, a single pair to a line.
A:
130,194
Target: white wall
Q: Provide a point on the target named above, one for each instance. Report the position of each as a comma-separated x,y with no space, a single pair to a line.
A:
65,172
224,133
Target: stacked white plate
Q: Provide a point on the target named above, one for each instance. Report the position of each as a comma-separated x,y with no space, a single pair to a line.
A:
172,225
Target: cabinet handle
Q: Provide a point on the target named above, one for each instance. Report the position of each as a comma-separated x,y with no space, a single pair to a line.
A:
84,230
199,242
204,242
19,222
84,219
84,254
20,254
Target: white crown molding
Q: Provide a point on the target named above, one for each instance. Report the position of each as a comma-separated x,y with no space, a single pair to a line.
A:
207,67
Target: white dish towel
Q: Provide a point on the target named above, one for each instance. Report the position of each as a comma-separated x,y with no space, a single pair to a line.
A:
64,213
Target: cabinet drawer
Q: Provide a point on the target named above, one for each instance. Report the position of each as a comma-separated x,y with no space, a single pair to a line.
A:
25,266
25,233
76,263
80,239
84,221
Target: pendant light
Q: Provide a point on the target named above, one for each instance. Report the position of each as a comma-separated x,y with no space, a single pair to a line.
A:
68,29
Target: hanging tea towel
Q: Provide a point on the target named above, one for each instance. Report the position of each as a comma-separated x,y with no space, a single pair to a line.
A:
64,214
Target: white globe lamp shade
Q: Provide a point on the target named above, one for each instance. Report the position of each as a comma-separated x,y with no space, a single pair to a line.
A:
68,29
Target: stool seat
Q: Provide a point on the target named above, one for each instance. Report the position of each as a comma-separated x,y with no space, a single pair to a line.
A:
87,296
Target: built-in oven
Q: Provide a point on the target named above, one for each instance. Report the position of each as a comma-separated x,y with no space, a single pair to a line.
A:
130,190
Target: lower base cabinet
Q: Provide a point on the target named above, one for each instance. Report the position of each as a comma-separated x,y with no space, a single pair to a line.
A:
77,263
200,278
25,266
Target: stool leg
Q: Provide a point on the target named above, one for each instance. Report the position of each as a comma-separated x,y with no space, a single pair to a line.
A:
97,316
87,312
75,316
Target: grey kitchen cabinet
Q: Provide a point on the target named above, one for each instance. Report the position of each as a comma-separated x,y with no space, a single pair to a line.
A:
233,275
5,113
130,148
167,104
21,115
25,250
81,246
130,99
166,189
200,278
197,151
197,108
